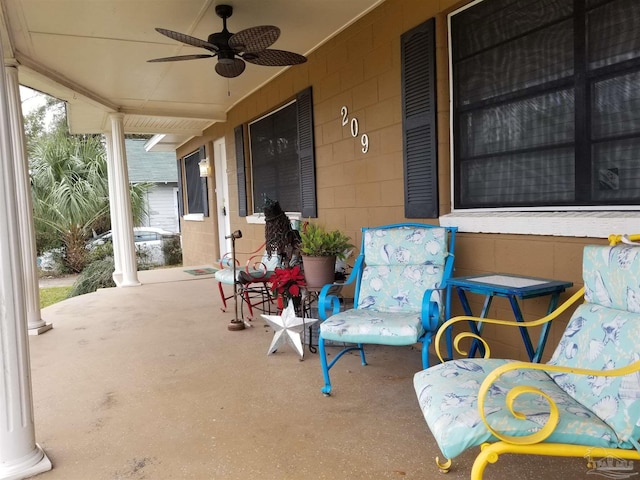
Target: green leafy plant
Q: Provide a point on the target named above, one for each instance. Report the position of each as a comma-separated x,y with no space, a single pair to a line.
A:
172,251
317,241
98,274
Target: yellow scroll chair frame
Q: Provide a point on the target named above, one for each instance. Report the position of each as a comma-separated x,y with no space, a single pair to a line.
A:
585,402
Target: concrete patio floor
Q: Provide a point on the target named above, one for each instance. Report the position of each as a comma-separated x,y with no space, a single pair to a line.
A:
148,383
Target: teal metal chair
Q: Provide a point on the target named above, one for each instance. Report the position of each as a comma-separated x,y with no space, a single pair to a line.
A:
401,294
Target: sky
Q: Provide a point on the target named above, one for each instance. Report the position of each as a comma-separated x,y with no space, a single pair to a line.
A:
31,99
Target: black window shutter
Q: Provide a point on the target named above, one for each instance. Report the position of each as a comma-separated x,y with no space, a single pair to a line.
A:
306,154
180,188
240,171
419,111
202,154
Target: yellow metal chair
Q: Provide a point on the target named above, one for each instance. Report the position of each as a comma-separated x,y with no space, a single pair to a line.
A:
585,402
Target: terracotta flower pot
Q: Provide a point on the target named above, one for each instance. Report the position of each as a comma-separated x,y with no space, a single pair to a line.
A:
318,271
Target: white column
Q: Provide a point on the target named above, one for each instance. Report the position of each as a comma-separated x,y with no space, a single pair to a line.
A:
115,228
20,457
123,205
35,323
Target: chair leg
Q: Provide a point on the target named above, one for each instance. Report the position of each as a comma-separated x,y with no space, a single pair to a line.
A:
224,300
425,352
326,366
364,360
326,390
248,300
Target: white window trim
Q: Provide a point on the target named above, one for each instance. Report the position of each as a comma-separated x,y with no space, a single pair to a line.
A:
259,219
193,217
591,224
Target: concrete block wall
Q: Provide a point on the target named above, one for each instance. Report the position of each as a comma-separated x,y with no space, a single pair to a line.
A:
360,69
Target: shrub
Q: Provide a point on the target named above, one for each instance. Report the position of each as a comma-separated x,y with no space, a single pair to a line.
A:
98,274
172,250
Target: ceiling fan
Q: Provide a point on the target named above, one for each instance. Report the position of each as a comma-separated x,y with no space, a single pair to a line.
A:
233,50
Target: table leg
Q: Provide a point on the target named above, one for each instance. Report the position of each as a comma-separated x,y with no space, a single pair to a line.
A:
523,330
544,333
477,345
475,328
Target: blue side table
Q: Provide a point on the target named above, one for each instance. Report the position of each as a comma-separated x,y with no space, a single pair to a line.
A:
513,287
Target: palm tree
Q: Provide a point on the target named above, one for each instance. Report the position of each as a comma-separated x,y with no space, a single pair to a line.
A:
71,193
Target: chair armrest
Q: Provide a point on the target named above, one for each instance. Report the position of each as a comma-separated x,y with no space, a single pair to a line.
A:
510,323
332,302
227,261
554,416
430,314
256,268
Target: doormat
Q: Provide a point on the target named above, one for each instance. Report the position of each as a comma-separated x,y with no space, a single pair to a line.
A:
202,271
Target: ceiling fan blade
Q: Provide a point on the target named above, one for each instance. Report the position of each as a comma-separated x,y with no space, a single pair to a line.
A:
274,58
188,39
179,57
254,39
229,69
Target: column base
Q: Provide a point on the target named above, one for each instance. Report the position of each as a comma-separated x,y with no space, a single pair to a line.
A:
18,472
39,330
125,282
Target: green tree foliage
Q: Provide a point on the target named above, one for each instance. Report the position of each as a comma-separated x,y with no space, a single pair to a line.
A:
69,186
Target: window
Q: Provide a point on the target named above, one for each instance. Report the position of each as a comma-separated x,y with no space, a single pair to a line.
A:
545,104
196,194
282,159
273,147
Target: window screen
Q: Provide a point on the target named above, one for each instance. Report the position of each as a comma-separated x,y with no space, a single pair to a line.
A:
195,191
275,165
545,112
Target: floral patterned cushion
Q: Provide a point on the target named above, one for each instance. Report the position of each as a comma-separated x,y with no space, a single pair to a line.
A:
401,264
611,277
369,326
448,396
601,338
603,334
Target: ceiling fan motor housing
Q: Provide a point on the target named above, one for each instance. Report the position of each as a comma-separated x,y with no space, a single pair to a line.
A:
225,53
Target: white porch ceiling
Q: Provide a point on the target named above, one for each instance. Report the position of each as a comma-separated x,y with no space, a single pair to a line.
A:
93,54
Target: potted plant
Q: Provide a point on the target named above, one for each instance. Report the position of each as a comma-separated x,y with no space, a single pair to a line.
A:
287,284
320,248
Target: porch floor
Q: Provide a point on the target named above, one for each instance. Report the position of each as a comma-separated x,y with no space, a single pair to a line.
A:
148,383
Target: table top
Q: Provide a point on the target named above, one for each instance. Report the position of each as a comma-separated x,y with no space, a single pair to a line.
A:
507,284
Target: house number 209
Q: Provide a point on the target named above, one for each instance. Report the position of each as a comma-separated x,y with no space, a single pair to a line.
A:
353,124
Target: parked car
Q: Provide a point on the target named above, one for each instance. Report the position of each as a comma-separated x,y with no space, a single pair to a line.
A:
147,240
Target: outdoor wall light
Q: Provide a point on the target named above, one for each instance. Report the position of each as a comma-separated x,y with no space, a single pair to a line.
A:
205,167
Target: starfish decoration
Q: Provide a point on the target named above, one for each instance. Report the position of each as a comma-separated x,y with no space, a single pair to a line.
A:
288,329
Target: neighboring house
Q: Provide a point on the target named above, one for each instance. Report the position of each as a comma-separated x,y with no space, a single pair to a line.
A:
159,168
